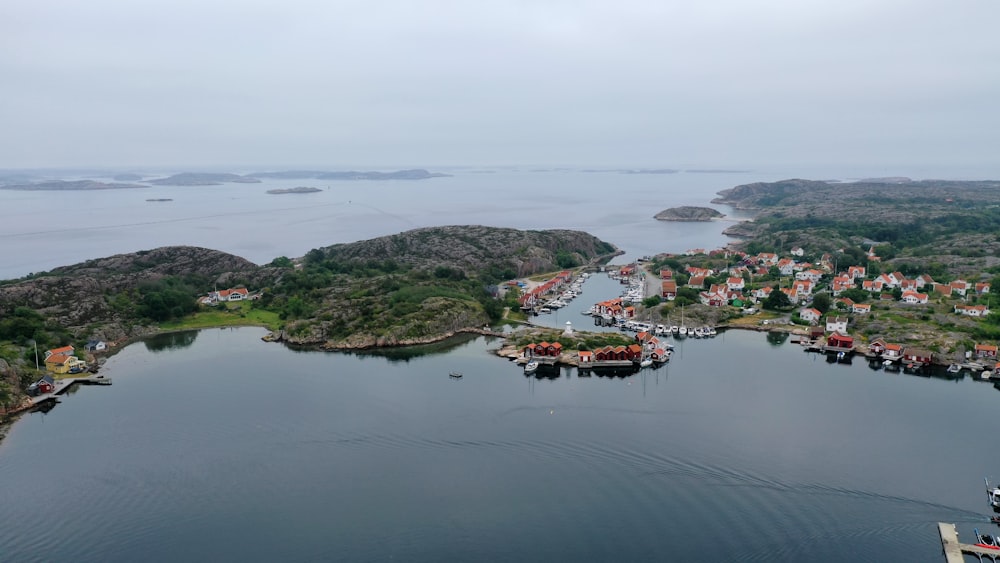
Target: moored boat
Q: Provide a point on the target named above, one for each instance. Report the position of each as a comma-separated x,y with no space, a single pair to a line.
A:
993,494
531,367
455,375
954,368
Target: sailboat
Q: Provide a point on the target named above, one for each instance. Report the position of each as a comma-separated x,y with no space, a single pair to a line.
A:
683,330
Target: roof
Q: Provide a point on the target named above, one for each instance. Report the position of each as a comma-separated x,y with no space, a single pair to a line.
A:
63,350
57,359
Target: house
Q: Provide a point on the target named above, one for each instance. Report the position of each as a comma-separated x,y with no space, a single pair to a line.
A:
96,346
668,290
972,310
840,283
44,385
544,349
877,346
942,288
786,266
65,350
885,280
839,341
836,324
802,288
892,351
917,356
810,315
872,285
761,293
586,358
982,288
986,351
861,308
792,296
797,251
810,275
59,363
856,272
923,280
767,258
844,303
666,274
735,283
696,281
913,297
238,294
960,287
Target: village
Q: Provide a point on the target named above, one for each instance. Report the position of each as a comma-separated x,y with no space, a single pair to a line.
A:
826,309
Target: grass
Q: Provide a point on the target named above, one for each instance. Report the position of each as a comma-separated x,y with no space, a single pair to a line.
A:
232,314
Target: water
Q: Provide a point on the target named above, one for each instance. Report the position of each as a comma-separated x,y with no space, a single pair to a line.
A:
245,220
216,446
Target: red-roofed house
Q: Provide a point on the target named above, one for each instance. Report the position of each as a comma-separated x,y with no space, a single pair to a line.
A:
986,351
914,298
972,310
810,315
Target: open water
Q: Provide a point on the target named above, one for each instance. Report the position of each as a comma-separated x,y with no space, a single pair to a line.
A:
215,446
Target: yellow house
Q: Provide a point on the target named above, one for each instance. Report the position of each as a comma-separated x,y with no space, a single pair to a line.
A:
62,360
59,363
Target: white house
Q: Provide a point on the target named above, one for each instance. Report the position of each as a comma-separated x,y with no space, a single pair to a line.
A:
836,324
972,310
797,251
735,283
914,298
810,275
809,314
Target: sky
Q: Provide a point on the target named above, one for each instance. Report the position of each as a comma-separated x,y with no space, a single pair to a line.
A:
337,83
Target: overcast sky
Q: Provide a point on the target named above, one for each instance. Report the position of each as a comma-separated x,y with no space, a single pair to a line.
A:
427,82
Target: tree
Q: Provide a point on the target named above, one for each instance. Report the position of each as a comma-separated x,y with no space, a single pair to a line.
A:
822,302
777,300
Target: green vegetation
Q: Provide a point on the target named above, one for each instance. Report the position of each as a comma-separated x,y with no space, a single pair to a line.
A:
231,314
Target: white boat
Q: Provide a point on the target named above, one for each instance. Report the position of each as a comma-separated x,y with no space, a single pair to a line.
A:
954,368
455,375
682,331
712,331
674,329
659,330
887,363
545,310
646,362
993,493
530,367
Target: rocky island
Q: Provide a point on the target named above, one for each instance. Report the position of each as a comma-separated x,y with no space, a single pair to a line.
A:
298,190
688,213
71,185
203,179
414,174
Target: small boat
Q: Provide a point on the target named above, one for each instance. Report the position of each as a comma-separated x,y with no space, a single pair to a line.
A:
674,329
531,367
987,541
455,375
995,520
682,331
646,362
954,368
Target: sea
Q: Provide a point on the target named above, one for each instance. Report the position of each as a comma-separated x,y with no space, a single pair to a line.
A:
213,445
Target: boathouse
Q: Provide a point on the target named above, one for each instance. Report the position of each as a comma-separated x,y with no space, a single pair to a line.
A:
543,349
586,358
839,342
877,346
916,356
986,351
45,385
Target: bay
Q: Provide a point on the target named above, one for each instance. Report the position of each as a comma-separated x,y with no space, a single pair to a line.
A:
213,445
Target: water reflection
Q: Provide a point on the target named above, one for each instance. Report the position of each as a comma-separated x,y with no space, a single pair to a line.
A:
170,340
776,338
406,353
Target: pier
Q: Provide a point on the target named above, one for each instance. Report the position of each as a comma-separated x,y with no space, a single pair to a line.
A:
61,385
953,550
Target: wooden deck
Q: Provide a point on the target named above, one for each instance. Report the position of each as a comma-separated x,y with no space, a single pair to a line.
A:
953,550
61,385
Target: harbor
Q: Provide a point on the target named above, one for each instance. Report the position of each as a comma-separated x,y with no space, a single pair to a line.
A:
61,385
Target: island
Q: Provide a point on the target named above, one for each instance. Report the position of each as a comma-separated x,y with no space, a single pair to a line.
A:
71,185
688,213
203,179
160,199
299,190
414,174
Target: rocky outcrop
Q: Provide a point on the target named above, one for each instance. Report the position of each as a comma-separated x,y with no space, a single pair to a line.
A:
688,213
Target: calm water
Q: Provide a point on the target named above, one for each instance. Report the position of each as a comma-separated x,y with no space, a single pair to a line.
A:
216,446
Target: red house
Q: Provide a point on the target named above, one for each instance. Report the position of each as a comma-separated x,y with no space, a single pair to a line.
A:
917,355
839,341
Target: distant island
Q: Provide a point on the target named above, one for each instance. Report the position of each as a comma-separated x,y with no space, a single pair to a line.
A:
160,199
688,213
203,179
74,185
415,174
127,178
299,190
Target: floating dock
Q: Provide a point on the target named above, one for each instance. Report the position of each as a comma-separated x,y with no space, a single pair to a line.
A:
61,385
953,550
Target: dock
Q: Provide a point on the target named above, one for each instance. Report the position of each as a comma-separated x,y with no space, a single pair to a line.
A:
61,385
953,550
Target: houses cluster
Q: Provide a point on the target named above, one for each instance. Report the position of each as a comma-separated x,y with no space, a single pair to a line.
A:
537,295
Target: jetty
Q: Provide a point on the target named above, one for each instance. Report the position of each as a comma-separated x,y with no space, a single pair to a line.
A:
62,385
953,550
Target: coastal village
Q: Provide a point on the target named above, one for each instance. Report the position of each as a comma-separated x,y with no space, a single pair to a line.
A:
834,325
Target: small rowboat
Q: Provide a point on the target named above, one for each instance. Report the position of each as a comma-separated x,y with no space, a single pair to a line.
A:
455,375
